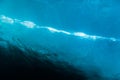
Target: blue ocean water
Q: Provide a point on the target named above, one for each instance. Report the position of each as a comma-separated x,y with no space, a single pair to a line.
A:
84,33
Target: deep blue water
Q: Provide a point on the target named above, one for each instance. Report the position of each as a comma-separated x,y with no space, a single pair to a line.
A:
96,48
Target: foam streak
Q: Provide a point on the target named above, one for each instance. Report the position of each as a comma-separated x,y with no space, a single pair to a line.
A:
30,24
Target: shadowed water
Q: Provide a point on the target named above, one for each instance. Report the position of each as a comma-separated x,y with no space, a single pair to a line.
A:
83,34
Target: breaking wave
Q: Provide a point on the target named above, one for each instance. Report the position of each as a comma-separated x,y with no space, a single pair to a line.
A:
78,50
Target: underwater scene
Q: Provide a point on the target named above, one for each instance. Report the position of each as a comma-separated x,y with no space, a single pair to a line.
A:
60,39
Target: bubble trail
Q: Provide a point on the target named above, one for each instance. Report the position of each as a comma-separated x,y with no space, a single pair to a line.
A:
30,24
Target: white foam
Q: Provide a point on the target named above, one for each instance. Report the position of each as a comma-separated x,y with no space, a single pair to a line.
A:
30,24
81,34
6,19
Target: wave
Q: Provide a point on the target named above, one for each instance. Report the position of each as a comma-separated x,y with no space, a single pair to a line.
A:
25,62
26,43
